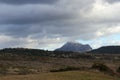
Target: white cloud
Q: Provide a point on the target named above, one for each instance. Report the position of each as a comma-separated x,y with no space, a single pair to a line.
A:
103,12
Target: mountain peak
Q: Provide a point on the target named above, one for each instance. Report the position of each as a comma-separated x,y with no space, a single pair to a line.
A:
74,47
74,43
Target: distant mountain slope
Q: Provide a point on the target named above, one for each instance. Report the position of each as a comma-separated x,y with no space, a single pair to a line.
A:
107,50
74,47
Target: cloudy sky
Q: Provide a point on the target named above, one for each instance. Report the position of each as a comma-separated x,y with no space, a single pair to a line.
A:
48,24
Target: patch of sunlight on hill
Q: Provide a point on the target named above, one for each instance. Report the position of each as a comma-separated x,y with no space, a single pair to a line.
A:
70,75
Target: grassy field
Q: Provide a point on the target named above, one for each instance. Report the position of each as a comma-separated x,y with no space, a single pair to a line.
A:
70,75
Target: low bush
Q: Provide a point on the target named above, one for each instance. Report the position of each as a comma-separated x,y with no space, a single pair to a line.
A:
118,70
103,68
24,71
68,68
3,70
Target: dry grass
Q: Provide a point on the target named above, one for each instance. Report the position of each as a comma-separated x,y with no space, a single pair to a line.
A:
71,75
54,64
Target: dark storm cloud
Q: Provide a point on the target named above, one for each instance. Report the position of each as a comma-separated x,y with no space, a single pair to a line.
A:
31,14
20,30
26,1
27,20
55,19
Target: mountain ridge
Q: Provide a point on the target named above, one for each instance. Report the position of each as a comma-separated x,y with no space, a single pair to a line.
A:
107,50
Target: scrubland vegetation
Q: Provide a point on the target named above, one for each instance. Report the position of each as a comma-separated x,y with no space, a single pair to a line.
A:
23,64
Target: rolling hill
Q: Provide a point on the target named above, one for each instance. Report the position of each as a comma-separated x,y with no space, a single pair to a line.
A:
107,50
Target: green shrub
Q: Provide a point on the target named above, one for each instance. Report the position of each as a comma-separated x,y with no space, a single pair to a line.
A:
103,68
118,70
3,70
67,68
